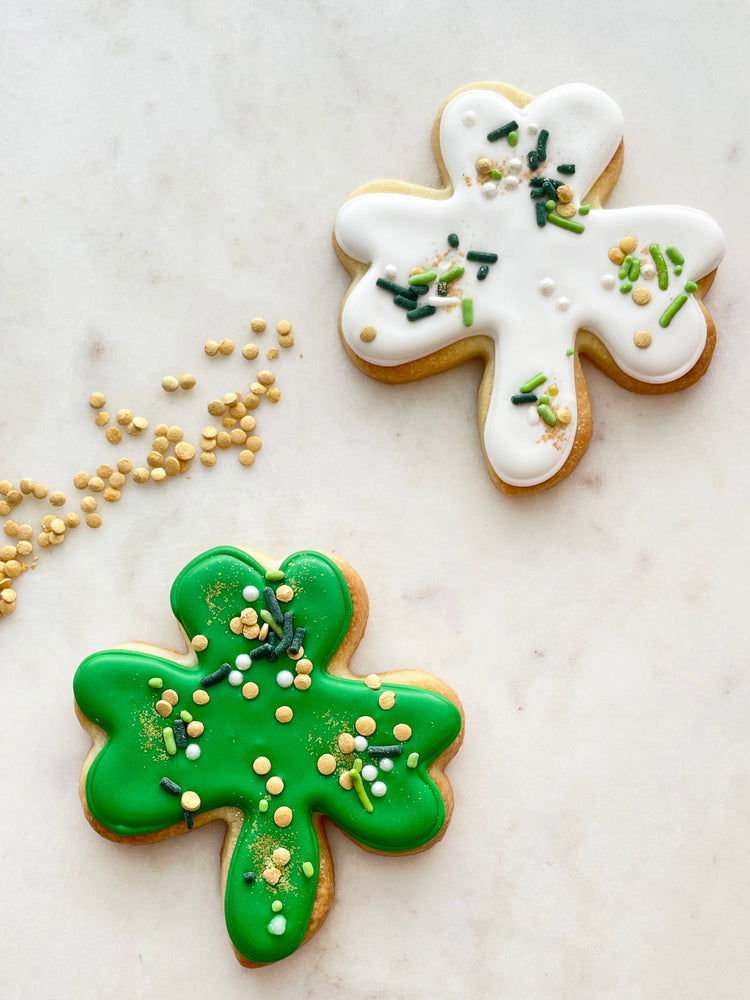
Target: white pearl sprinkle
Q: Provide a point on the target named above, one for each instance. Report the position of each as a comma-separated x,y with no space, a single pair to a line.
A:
608,282
360,743
515,166
563,304
546,286
235,678
369,772
489,190
243,661
285,678
648,270
532,416
192,751
386,764
469,118
390,271
251,594
510,182
378,789
532,129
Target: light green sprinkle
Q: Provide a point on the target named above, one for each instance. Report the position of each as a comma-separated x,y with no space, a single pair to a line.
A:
169,742
412,760
277,906
550,205
359,787
495,174
467,311
624,268
569,351
423,278
186,716
674,254
268,618
307,869
547,414
690,286
274,575
544,398
626,287
635,269
570,224
672,309
452,273
156,683
678,269
513,138
531,384
584,209
263,806
661,266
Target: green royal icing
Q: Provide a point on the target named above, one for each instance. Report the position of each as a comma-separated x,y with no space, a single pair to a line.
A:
123,790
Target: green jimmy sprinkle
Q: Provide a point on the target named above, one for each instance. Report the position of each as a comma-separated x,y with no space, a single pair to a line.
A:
661,266
274,575
169,741
269,620
156,683
501,132
626,287
690,286
452,273
467,311
674,254
412,760
566,168
569,224
359,786
624,268
541,145
420,313
635,269
531,384
307,869
672,309
424,278
547,414
453,240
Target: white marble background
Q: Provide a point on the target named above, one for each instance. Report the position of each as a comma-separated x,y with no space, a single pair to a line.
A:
169,170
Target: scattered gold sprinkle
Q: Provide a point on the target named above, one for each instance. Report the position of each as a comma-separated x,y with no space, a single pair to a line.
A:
226,346
199,642
26,486
117,480
274,394
564,416
345,781
195,729
171,465
271,875
57,525
283,816
266,376
163,708
274,785
171,696
211,348
97,400
104,470
326,763
373,682
402,732
302,682
628,244
250,690
186,381
113,435
365,725
190,801
484,166
272,353
286,341
170,384
281,856
284,714
158,475
566,211
387,700
642,339
346,743
246,458
94,520
565,194
141,475
250,352
616,255
304,666
111,495
284,327
208,458
88,505
57,499
201,697
40,490
368,334
248,423
261,765
641,296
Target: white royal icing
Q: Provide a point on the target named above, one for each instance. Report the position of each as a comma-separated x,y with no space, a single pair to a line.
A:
548,282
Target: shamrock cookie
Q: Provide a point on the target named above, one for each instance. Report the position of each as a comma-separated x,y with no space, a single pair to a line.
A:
515,261
262,725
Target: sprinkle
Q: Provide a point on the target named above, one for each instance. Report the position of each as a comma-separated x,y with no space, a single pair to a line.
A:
502,131
541,145
390,286
482,256
201,697
193,751
170,786
672,309
283,816
271,875
642,339
277,925
235,678
467,311
250,594
395,750
248,877
199,643
156,683
367,334
359,788
513,138
403,303
412,760
268,618
541,214
661,266
641,296
566,168
584,209
369,772
625,287
690,286
533,159
443,301
365,725
569,352
250,690
296,644
217,675
387,700
420,313
346,743
163,708
533,382
452,240
277,906
452,274
422,278
263,806
274,575
262,652
326,763
188,817
307,869
564,416
547,414
284,714
285,678
624,268
169,741
180,735
635,269
378,789
569,224
674,254
402,732
274,785
524,397
482,272
273,605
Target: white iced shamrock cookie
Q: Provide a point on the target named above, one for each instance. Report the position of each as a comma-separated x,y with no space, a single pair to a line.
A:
515,260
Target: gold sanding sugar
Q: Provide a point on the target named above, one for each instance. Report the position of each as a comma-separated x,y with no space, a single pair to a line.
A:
274,394
211,347
258,325
141,475
226,346
57,499
199,643
186,381
94,520
642,339
628,244
113,435
641,296
368,334
97,400
169,383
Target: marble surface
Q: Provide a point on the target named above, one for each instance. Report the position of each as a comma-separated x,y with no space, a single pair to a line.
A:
170,170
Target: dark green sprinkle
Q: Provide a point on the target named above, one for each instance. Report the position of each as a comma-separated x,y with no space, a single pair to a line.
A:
296,644
538,192
248,877
524,397
537,181
261,652
504,130
216,676
170,786
442,288
188,819
541,145
392,751
482,256
453,240
482,272
391,286
420,312
566,168
286,639
273,605
533,160
541,214
180,735
690,286
401,300
550,188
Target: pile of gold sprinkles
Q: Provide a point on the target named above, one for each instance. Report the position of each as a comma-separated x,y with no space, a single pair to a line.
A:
170,455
